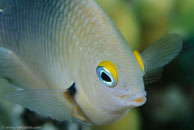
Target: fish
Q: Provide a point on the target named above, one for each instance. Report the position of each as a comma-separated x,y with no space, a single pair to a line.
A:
68,60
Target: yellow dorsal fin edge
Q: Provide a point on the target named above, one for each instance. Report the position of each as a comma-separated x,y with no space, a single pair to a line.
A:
139,59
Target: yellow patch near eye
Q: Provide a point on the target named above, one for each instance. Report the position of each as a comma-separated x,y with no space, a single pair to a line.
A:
139,60
110,67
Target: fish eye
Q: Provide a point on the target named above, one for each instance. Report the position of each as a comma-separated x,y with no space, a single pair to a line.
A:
107,73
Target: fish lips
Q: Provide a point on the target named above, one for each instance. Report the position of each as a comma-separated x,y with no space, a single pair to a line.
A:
135,100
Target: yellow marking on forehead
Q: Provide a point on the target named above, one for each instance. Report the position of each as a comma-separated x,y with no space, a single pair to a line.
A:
110,67
139,60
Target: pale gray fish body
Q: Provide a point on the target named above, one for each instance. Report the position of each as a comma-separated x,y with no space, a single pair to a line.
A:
37,31
47,45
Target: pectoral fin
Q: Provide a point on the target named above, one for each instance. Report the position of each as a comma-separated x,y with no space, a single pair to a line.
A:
57,104
49,103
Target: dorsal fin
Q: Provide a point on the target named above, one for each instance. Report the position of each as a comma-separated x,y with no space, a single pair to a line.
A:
159,54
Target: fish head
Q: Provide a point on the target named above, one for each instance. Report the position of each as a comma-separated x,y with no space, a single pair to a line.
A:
109,85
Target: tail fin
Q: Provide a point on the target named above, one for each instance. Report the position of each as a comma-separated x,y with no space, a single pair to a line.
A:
159,54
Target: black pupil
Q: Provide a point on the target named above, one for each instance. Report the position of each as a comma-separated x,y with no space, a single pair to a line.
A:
105,77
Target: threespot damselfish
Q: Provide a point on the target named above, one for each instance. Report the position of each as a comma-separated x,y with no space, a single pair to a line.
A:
69,59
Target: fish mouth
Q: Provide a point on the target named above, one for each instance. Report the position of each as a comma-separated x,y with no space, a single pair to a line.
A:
135,100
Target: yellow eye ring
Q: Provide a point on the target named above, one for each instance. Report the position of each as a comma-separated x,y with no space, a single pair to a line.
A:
107,73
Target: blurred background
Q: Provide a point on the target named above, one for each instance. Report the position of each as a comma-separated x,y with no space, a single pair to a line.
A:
170,101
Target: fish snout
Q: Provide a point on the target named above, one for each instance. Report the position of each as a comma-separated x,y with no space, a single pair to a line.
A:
135,100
